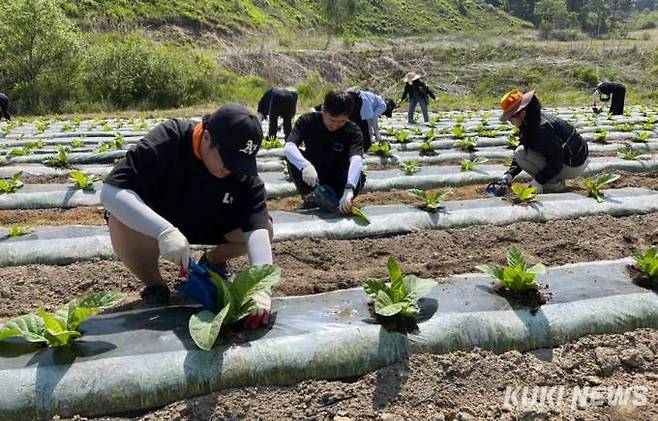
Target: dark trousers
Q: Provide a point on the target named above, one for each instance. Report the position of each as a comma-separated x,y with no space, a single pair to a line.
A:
283,106
338,188
355,116
617,93
4,107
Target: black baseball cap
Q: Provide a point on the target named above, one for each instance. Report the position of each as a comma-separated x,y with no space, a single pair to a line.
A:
237,134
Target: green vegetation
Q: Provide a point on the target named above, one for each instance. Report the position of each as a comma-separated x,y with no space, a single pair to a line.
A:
524,195
648,262
12,184
628,153
516,276
470,164
82,180
61,159
410,167
595,185
431,201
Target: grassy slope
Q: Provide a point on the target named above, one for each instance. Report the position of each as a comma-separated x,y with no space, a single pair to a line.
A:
375,17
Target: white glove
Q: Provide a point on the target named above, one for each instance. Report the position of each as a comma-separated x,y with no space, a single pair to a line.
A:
174,247
507,178
309,174
345,205
539,188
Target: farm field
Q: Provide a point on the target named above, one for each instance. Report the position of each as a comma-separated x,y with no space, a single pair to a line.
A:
55,246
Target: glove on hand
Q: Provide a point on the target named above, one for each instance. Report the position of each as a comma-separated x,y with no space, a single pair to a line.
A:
310,175
174,247
260,315
345,204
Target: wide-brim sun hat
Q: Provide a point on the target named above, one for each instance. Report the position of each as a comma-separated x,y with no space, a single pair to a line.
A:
513,102
410,77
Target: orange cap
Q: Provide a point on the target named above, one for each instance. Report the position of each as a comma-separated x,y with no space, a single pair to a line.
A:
513,102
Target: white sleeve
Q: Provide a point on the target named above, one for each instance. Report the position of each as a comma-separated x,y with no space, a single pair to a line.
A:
259,247
130,209
293,155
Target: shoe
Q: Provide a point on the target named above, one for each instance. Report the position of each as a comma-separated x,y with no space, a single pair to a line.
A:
222,271
555,187
155,295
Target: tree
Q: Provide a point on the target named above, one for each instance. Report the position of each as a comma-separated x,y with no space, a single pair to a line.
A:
38,42
337,14
553,15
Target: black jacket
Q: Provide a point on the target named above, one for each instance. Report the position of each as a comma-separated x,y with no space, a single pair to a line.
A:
417,90
558,142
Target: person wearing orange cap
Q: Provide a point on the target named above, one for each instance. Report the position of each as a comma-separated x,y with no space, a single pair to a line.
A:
550,150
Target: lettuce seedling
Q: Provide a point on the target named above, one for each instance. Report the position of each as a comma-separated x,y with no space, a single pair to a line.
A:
642,137
416,132
67,128
19,231
594,186
431,202
235,300
524,195
61,159
628,153
410,167
41,126
76,143
467,145
271,143
470,164
81,180
59,328
426,148
628,127
430,135
400,295
649,127
513,141
600,136
13,184
102,147
516,276
647,262
458,132
380,149
360,215
118,141
402,137
20,151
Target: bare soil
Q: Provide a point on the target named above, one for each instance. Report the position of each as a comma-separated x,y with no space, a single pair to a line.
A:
457,386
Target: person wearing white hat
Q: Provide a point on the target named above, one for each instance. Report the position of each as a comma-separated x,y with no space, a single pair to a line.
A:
418,93
551,150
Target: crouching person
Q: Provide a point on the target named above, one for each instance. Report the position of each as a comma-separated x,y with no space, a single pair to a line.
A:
333,151
551,150
188,182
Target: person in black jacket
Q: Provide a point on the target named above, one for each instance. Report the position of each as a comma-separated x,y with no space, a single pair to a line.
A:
551,149
278,102
4,107
613,92
418,93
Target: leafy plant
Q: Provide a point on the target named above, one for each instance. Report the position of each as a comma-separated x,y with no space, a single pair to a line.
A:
102,147
470,164
430,135
628,153
426,148
649,127
467,145
594,186
410,167
76,143
628,127
600,135
642,137
59,328
416,131
516,276
271,143
390,131
431,201
61,159
458,132
20,151
118,141
82,180
235,300
401,295
13,184
41,126
106,127
513,141
18,231
647,262
380,149
360,215
68,128
486,131
524,194
402,137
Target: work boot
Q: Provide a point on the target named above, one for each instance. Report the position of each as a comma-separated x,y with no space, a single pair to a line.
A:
155,295
555,187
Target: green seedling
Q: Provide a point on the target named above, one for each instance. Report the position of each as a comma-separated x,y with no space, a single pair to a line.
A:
399,294
431,201
410,167
76,143
628,153
106,127
271,143
19,231
390,131
470,164
647,262
513,141
628,127
118,141
235,300
68,128
416,131
81,180
102,147
524,195
360,215
458,132
467,145
426,148
59,328
649,127
430,135
594,186
380,149
600,136
642,137
402,137
20,151
41,126
61,159
516,276
12,184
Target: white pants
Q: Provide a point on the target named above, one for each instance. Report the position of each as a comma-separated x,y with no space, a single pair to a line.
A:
533,162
